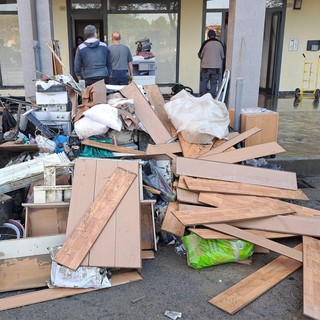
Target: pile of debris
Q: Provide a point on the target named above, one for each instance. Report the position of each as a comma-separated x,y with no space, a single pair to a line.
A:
104,220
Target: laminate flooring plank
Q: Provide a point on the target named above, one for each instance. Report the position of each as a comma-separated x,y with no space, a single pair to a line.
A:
171,223
157,101
146,115
219,215
311,280
230,143
78,244
211,185
26,299
209,234
192,150
247,153
293,224
261,241
236,173
252,287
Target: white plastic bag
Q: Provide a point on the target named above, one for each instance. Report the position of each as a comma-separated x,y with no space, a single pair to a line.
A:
199,119
105,114
45,143
86,128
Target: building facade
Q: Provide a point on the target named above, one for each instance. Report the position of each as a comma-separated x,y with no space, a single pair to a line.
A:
265,39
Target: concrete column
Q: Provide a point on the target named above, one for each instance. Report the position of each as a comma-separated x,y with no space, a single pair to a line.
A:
35,26
244,49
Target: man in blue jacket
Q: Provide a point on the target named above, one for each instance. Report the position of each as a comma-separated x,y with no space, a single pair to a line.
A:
93,58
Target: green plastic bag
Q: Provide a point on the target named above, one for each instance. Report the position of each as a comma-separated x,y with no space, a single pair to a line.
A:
92,152
203,253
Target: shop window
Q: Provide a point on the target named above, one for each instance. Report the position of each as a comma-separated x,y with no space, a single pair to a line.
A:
86,5
10,52
160,28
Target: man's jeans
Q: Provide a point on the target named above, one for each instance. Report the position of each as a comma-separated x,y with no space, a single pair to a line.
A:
209,75
119,77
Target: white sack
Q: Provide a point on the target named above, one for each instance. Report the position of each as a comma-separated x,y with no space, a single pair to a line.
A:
106,115
199,119
86,128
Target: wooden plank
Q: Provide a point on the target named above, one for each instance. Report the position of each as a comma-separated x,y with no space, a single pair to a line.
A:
111,147
261,241
252,287
156,100
27,247
146,115
311,281
25,273
210,185
247,153
218,215
192,150
230,143
187,196
147,255
164,148
171,223
309,226
233,172
15,147
26,299
209,234
122,234
81,240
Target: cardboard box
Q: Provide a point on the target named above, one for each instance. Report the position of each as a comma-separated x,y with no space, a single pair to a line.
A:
266,120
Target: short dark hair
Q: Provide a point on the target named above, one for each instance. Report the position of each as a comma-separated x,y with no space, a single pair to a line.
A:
211,34
89,31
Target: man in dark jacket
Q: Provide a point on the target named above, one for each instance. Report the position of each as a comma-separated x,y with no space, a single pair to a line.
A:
211,54
93,58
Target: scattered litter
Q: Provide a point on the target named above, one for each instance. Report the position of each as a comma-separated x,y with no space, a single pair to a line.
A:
173,314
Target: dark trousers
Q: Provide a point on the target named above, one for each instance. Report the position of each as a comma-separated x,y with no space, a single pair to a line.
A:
209,76
90,81
119,77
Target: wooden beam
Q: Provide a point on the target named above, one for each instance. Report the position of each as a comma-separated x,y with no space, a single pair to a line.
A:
311,284
218,215
210,185
81,240
26,299
261,241
247,153
146,115
236,173
111,147
252,287
230,143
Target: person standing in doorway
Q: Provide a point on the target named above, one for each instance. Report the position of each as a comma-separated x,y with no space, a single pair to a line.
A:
121,58
211,54
93,58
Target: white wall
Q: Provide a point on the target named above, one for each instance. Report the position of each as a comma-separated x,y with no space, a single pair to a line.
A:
60,29
302,25
190,42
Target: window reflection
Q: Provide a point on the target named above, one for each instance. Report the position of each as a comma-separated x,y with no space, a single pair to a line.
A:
160,28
